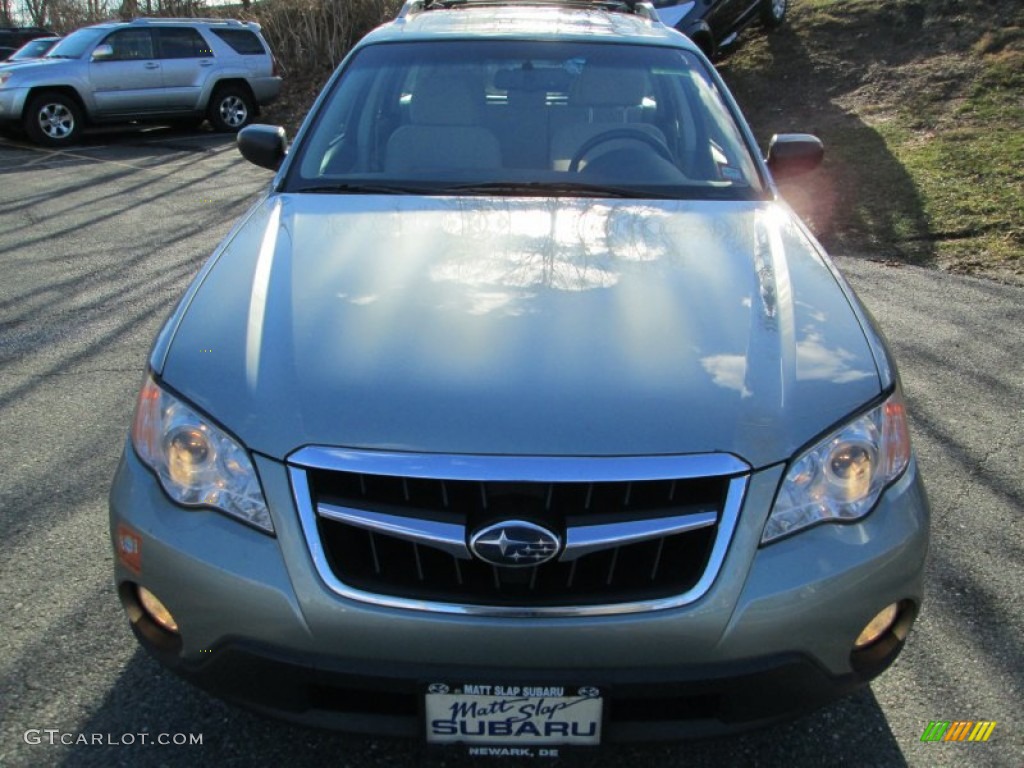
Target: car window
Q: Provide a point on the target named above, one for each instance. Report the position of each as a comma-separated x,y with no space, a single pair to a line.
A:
32,49
131,44
241,41
182,43
466,116
77,43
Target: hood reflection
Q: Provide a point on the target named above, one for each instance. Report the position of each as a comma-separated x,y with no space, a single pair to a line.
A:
565,326
555,244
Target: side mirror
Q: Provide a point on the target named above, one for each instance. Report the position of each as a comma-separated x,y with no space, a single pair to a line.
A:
791,154
102,52
263,145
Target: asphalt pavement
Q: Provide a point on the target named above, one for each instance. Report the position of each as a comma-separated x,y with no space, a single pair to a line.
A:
96,245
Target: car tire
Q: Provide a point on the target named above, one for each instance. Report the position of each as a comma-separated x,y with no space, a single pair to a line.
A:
231,109
53,119
773,12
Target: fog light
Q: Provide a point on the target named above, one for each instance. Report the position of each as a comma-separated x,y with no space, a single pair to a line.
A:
157,611
877,627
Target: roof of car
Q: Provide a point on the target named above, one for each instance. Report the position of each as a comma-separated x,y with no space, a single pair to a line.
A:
145,21
529,19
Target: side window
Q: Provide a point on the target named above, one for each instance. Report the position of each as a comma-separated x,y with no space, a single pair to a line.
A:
182,43
131,44
242,41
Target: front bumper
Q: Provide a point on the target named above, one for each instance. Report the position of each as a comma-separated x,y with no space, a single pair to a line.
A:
12,103
771,638
642,704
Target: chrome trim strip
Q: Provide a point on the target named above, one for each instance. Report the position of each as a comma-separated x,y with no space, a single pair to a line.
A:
585,539
726,527
579,540
447,537
532,469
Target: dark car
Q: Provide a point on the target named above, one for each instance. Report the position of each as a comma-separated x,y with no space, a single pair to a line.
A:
33,49
715,24
12,38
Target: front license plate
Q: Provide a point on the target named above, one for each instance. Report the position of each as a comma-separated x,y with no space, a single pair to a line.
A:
513,715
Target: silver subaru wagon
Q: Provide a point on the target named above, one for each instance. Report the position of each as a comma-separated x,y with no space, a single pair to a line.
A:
520,412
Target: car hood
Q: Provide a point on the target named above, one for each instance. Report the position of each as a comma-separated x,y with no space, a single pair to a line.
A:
42,64
520,327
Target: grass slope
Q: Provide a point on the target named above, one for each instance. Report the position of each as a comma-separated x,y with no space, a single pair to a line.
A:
921,107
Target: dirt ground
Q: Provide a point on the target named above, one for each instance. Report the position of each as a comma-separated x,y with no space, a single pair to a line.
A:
920,105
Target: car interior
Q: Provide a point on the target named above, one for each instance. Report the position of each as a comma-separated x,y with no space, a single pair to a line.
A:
530,118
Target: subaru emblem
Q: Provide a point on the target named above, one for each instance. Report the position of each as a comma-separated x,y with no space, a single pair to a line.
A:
515,544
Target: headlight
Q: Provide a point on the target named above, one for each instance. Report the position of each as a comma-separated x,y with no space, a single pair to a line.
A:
197,463
842,476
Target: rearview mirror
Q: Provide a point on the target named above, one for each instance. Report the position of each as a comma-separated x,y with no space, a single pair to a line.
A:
791,154
105,51
263,145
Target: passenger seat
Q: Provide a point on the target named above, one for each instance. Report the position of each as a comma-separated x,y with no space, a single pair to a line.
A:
445,129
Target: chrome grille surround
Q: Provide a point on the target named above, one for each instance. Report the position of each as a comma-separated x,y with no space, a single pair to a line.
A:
452,538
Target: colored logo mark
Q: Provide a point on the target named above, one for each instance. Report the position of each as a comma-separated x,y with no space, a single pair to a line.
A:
958,730
129,548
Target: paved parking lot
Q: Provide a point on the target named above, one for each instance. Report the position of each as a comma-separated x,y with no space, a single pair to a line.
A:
97,243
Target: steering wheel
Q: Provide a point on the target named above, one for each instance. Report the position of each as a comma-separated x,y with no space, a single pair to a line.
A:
617,134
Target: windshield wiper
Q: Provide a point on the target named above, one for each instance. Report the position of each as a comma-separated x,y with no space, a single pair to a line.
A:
359,189
552,189
525,188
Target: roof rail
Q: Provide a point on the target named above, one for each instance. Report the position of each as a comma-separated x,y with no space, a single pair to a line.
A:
638,7
410,7
185,20
645,8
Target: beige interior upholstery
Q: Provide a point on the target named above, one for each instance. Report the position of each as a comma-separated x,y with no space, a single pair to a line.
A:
604,99
445,129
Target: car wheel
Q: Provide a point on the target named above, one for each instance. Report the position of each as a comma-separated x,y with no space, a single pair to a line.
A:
773,12
53,120
231,109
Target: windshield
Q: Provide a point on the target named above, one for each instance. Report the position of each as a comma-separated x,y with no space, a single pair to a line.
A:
522,117
32,50
77,43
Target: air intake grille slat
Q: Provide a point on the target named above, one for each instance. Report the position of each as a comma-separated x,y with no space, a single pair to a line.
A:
373,553
611,566
657,559
419,563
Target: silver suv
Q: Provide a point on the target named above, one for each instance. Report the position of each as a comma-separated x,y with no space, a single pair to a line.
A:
148,69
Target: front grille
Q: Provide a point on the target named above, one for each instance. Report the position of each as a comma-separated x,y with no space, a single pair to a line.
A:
387,565
400,531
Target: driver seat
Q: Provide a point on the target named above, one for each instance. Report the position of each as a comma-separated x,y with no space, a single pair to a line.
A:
604,99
